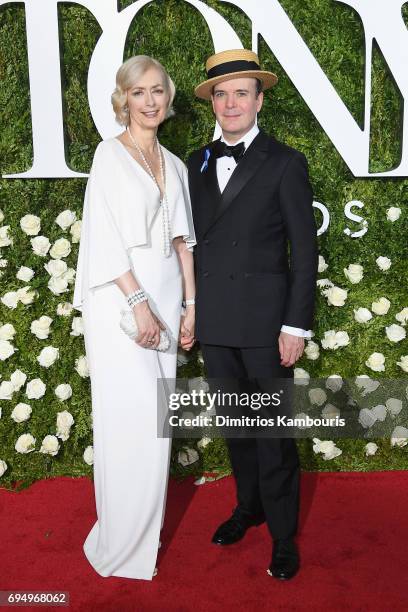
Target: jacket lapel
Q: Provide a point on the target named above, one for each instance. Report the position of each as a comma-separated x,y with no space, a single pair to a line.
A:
255,155
212,193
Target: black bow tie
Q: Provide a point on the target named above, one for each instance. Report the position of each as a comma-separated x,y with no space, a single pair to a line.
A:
236,151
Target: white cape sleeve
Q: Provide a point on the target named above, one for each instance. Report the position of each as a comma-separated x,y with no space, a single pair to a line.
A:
182,218
102,254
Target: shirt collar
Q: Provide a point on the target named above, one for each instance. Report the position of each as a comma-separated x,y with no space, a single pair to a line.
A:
247,139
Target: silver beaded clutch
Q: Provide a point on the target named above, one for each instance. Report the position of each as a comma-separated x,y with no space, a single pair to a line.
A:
128,325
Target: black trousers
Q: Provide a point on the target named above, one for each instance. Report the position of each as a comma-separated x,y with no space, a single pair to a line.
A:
266,470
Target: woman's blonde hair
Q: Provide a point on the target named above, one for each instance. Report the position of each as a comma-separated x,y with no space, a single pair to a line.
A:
128,75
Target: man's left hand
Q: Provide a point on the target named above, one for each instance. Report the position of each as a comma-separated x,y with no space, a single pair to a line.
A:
290,348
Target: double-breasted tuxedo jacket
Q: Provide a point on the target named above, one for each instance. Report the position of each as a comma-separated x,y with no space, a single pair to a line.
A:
256,254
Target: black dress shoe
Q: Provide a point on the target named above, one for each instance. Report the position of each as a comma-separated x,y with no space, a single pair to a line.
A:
235,528
285,559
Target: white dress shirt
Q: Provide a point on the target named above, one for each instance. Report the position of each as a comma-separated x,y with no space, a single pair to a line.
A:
225,167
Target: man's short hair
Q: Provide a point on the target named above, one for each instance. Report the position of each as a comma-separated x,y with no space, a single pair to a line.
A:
258,87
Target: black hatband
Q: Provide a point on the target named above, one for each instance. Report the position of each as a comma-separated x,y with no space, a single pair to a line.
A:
228,67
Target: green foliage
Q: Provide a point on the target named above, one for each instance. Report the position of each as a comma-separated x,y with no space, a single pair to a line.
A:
175,33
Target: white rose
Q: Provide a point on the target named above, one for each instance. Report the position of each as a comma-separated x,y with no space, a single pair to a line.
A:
380,412
81,366
330,411
334,382
395,333
69,275
370,449
76,231
322,264
6,350
362,315
88,455
77,327
384,263
30,224
203,442
329,340
10,299
335,296
25,274
342,338
41,327
403,364
1,216
18,379
25,444
376,362
327,447
5,239
7,331
317,396
301,377
60,248
65,219
65,420
312,350
402,316
50,446
366,418
3,467
21,412
35,388
48,356
393,213
394,406
399,436
187,456
40,245
57,285
3,263
26,295
56,267
63,392
354,273
64,309
324,282
381,307
333,340
303,416
366,384
6,390
198,384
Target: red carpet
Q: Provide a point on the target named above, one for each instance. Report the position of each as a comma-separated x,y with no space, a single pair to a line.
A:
353,543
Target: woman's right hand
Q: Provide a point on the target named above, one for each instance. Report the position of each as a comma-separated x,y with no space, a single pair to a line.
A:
148,325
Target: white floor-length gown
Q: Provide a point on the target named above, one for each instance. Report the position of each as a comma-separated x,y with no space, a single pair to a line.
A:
121,230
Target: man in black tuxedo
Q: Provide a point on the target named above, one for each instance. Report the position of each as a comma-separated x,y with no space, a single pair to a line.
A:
251,199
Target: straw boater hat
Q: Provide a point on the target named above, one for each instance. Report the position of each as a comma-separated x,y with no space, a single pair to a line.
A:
234,64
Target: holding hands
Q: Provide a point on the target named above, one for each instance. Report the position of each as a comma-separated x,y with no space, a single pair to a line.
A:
186,336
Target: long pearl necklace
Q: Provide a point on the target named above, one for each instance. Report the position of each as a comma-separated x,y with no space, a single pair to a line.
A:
163,200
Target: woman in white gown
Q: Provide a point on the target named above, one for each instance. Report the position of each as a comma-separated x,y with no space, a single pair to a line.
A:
136,239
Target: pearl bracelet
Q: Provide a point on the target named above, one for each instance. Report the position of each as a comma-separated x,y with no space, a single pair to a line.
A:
136,297
190,302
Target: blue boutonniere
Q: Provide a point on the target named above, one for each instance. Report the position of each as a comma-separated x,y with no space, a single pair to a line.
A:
207,154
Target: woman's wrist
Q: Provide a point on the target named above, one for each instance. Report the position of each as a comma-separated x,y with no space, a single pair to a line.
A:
189,302
141,306
136,297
